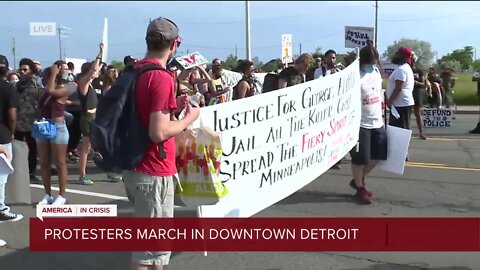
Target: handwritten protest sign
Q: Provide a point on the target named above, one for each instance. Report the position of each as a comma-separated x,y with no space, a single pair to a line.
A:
191,60
356,36
276,143
437,118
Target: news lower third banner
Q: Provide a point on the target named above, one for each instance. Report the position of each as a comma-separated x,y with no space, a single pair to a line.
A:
253,234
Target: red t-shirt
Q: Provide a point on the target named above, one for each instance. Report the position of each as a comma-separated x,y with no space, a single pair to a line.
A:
154,92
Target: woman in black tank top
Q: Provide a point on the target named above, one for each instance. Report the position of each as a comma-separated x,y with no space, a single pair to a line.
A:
89,102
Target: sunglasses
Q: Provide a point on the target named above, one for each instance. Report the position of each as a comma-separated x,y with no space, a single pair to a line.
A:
178,40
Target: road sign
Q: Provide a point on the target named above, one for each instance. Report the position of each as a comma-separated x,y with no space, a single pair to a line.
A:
43,29
287,48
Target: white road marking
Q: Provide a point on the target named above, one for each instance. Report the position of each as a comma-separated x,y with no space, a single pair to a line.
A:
88,193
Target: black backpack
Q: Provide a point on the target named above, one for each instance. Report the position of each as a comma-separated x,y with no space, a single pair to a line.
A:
117,135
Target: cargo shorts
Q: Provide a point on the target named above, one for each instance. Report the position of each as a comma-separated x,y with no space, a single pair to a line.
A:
151,196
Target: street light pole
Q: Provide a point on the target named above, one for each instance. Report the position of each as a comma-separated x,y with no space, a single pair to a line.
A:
14,55
62,33
247,19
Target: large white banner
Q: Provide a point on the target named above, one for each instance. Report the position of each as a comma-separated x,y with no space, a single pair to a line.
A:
357,36
276,143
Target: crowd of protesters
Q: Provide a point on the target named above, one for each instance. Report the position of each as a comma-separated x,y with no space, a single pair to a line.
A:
70,102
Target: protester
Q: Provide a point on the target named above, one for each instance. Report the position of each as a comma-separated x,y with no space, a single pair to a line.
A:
476,78
8,117
436,94
418,94
372,142
216,90
110,78
246,86
155,101
13,78
270,83
294,75
400,88
329,66
216,62
38,68
200,79
129,61
52,107
447,83
89,102
28,88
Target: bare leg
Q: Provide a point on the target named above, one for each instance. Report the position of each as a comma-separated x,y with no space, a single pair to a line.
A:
358,173
84,151
60,151
44,155
418,116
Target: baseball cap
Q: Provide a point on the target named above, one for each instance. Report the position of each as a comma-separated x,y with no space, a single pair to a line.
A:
3,61
163,28
129,60
407,52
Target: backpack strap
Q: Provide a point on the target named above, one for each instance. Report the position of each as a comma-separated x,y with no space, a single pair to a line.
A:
138,71
324,70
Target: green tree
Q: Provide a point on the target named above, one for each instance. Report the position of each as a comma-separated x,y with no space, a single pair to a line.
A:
452,64
231,62
271,65
317,53
117,65
422,49
476,65
463,56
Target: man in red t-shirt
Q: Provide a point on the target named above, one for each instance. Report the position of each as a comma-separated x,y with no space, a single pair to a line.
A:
150,186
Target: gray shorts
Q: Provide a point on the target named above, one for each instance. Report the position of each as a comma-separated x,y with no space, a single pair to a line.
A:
152,196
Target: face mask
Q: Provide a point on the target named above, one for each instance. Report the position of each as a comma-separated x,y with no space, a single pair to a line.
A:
14,82
369,68
63,76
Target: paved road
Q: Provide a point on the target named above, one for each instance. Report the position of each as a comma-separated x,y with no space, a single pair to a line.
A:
442,179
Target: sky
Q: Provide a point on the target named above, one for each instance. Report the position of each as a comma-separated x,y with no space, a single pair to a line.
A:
215,28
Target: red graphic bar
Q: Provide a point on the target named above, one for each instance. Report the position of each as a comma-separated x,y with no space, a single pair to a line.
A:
255,234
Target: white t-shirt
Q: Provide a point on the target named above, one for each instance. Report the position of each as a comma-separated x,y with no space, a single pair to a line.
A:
372,97
402,73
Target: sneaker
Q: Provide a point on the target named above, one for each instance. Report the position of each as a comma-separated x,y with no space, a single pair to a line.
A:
72,159
2,243
362,196
47,199
34,179
85,180
354,186
6,215
59,200
113,177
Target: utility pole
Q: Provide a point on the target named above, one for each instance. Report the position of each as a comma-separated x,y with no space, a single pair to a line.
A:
376,24
14,54
247,19
63,32
236,51
300,49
